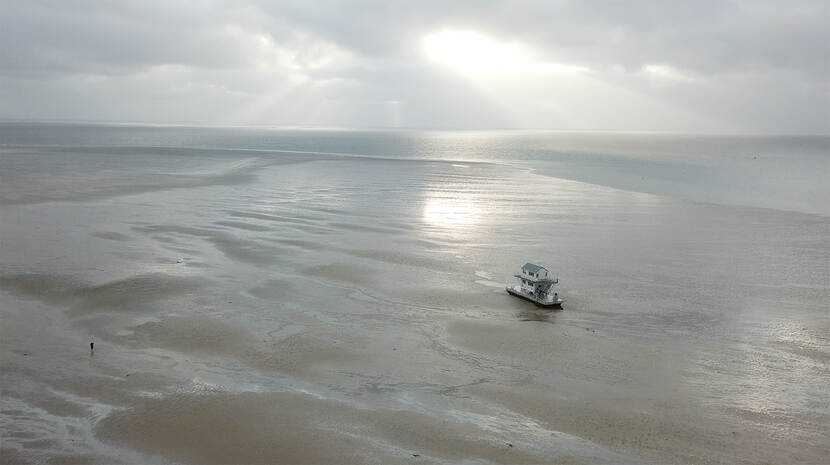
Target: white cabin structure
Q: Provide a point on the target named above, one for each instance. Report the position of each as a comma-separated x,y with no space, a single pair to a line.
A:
533,278
535,283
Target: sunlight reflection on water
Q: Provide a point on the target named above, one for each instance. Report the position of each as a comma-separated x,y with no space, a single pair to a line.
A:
450,212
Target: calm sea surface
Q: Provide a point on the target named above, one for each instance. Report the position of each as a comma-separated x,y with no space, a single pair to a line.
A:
338,296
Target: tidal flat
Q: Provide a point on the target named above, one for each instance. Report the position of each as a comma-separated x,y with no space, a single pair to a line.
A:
265,306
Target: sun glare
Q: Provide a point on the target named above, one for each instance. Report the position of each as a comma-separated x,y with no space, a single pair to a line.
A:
472,53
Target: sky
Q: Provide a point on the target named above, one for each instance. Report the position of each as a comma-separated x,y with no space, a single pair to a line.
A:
664,66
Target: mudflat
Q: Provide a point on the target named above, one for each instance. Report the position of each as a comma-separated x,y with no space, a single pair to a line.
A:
258,307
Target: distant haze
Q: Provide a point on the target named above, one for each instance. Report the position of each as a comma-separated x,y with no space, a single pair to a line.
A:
680,66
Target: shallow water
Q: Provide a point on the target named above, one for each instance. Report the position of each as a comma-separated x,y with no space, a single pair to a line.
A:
266,306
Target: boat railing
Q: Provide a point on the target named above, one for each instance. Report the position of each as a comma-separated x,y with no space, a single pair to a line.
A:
536,280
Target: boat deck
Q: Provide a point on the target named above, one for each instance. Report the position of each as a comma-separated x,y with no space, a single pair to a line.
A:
548,304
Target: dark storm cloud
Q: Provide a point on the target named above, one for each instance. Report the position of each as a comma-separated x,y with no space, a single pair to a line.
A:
724,58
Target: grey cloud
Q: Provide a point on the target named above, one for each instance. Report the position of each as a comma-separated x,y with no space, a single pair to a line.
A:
46,38
206,62
704,36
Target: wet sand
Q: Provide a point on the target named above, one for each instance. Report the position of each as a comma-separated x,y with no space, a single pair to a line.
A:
338,310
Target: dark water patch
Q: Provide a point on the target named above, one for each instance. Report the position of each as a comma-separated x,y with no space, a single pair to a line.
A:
52,289
124,294
69,187
165,239
332,211
15,456
623,429
111,235
247,251
342,272
241,428
180,250
527,341
171,228
308,245
274,290
432,245
18,434
364,228
402,258
73,459
275,428
455,299
309,355
197,265
241,225
398,225
535,314
313,230
293,218
133,292
191,335
40,444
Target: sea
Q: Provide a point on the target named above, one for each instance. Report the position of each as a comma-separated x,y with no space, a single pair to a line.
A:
275,295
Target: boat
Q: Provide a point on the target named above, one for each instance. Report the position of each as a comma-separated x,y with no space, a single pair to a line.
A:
536,285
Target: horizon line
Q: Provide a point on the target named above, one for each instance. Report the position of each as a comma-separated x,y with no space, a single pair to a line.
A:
285,127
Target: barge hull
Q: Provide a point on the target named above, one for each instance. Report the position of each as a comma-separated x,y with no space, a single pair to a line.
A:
557,304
